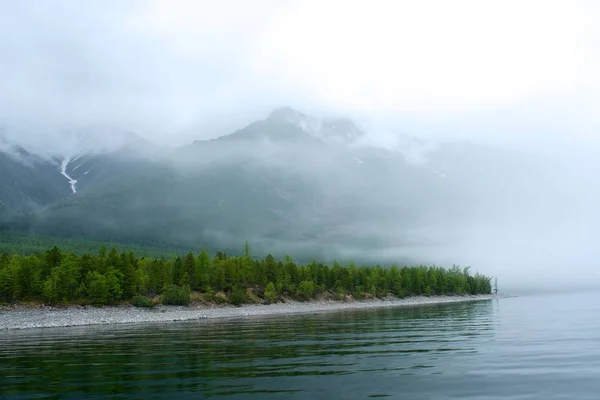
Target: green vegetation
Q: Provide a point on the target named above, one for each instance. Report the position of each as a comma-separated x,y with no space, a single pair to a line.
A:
174,295
270,293
110,277
142,301
238,296
25,244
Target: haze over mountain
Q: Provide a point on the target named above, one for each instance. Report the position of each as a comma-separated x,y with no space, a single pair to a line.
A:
288,183
424,130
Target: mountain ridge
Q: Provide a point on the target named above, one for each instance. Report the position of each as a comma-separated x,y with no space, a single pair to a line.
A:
278,181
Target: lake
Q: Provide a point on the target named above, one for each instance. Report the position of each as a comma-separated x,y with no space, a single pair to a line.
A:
528,347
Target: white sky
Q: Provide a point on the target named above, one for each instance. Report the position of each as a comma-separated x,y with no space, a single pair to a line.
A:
517,72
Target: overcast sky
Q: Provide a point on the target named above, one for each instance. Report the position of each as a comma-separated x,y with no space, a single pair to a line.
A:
523,74
516,72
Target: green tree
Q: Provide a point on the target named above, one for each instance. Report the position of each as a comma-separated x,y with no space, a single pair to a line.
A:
238,296
57,276
189,270
114,278
53,257
97,288
270,267
395,279
270,293
177,270
62,283
7,284
203,270
176,295
127,270
247,250
306,290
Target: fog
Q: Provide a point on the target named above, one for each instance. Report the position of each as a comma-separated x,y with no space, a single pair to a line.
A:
519,77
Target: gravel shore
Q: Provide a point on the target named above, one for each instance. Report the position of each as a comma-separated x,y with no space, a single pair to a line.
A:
45,317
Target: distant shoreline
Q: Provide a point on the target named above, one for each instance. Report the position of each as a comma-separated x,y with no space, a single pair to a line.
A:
25,317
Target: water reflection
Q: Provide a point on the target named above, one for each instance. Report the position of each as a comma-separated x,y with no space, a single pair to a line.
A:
320,355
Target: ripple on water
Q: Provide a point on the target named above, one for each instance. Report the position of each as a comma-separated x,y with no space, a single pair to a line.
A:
467,350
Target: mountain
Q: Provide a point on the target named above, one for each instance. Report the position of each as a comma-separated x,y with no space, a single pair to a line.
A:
27,182
289,182
330,130
33,179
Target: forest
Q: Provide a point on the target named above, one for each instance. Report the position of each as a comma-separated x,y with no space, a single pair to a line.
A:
56,276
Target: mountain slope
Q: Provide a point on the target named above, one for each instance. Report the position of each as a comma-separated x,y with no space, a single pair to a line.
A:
30,181
294,183
27,182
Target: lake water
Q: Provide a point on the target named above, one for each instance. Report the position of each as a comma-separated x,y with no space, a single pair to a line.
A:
530,347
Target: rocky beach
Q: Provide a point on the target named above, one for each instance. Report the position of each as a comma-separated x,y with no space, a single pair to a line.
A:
25,317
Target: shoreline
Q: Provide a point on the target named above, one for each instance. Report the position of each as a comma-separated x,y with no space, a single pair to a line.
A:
23,317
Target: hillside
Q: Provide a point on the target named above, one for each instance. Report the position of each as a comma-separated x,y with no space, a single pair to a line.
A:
27,182
34,177
286,182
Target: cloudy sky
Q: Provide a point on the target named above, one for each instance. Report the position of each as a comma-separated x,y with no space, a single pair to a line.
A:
522,74
509,72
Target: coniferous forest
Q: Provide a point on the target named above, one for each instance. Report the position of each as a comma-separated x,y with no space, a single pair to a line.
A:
113,277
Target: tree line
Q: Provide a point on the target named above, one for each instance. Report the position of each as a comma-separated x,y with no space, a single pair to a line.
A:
111,277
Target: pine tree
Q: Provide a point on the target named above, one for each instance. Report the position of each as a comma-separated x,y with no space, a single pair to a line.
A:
189,268
177,270
270,293
202,273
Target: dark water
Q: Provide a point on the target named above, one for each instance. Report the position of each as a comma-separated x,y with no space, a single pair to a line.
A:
538,347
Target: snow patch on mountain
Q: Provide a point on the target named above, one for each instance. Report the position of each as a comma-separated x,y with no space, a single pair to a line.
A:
69,152
63,170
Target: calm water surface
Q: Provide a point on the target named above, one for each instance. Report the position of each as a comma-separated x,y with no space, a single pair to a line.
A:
530,347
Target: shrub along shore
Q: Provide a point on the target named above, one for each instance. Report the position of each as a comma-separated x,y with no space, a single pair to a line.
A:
110,277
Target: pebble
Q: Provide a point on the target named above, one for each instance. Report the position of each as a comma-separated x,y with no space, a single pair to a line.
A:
46,317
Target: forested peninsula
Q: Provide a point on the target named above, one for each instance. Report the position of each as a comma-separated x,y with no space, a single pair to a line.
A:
112,277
